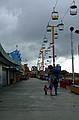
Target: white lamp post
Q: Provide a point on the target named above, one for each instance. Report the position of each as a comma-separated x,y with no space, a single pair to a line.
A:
72,53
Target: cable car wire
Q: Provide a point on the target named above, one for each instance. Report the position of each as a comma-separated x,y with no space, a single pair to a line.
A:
56,3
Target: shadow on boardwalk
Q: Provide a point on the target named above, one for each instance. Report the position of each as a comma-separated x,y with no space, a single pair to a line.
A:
25,100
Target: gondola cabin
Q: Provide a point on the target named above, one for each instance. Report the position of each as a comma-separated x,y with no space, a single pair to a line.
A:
50,56
48,28
55,14
51,44
46,53
61,26
73,9
45,40
56,35
46,50
47,60
43,46
49,48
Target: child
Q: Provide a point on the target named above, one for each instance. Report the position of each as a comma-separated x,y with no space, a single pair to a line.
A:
50,88
45,89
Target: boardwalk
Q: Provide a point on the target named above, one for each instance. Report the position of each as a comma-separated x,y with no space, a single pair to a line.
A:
25,100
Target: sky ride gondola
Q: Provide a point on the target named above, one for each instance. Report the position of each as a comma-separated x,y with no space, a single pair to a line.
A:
49,49
48,61
51,44
61,26
46,51
43,46
56,34
55,14
48,28
39,56
73,9
45,39
50,56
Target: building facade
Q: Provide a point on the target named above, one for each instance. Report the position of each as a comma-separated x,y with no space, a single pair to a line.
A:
9,74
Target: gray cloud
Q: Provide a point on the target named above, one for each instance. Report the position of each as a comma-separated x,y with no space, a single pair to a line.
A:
23,22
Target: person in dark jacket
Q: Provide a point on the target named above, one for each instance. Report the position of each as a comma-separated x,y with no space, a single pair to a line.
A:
55,83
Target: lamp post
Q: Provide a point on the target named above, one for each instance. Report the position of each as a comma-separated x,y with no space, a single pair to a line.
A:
72,53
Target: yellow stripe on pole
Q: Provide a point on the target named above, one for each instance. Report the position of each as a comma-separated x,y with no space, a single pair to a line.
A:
53,34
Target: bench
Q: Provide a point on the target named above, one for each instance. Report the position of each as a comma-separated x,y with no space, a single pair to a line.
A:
74,89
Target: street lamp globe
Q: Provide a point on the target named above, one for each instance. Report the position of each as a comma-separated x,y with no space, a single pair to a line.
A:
71,29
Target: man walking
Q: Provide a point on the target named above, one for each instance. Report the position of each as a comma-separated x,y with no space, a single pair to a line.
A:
55,83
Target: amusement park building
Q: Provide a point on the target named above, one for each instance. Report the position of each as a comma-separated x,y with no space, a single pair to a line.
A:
9,72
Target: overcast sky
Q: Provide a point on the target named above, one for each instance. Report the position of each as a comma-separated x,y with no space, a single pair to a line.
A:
23,23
